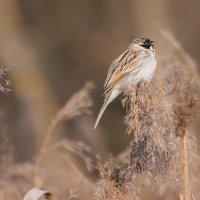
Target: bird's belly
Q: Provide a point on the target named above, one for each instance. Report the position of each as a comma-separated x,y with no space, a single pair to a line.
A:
147,69
144,72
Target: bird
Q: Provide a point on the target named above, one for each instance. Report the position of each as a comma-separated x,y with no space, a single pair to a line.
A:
136,64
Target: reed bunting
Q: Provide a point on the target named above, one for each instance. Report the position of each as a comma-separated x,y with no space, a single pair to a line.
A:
134,65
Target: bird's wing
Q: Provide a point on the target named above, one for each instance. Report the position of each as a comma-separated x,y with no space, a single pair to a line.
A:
122,66
114,66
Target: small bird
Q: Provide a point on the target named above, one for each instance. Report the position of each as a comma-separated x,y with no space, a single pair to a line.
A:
136,64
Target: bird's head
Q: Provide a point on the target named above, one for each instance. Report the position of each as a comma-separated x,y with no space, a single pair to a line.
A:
142,43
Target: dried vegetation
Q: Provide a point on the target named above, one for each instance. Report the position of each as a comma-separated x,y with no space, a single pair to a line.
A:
4,80
162,148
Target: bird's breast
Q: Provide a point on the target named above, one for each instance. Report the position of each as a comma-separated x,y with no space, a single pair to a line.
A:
147,68
144,71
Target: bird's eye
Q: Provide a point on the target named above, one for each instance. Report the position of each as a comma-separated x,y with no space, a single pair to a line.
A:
146,45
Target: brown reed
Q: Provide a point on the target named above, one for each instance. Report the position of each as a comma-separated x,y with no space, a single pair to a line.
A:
79,103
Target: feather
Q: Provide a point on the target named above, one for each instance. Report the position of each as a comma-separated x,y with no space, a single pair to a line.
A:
119,74
109,99
118,63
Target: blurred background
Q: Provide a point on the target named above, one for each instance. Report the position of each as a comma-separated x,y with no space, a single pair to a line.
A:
53,47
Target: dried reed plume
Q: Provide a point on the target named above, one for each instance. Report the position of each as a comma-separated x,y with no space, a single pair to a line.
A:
154,150
181,95
4,81
79,103
117,181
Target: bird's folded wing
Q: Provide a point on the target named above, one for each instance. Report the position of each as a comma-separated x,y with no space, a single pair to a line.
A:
116,64
122,69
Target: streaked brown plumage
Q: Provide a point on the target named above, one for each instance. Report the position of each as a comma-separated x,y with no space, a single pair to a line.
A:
136,64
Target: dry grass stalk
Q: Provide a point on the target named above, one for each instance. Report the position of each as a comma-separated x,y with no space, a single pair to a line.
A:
79,103
186,170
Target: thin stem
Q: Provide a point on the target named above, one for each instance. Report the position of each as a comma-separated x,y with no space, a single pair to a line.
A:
45,144
187,194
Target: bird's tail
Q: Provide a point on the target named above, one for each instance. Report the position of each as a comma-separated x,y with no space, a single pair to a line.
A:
112,96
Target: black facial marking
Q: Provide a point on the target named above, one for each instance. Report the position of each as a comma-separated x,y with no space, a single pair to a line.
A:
147,44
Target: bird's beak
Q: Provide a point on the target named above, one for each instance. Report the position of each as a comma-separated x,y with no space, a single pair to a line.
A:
153,42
